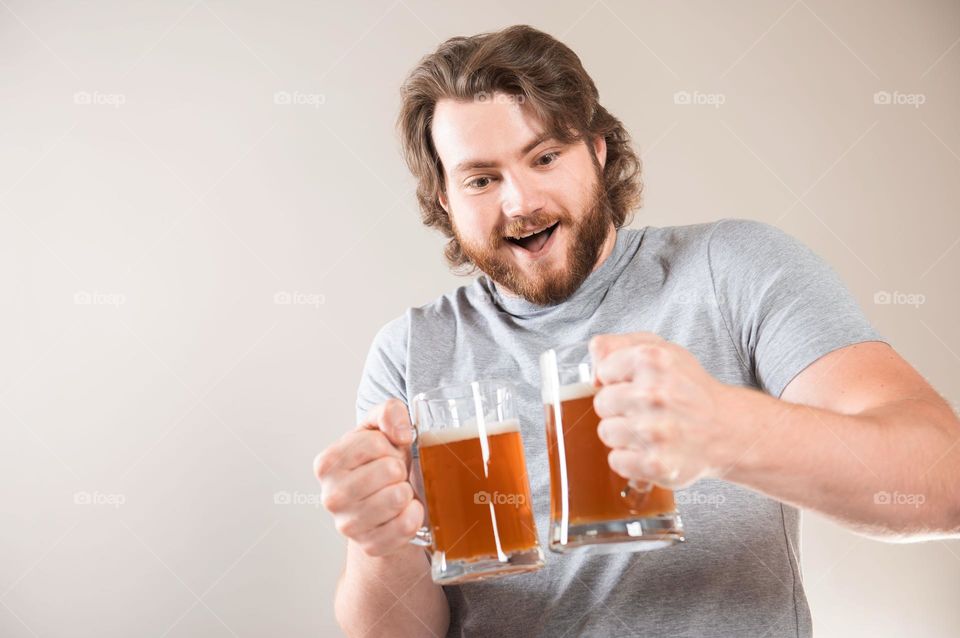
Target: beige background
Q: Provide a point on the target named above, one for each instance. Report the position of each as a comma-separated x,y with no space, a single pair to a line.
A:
160,201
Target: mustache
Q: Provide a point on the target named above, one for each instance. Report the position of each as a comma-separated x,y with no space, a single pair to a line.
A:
521,225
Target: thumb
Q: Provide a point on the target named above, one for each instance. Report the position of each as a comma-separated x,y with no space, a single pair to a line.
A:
391,418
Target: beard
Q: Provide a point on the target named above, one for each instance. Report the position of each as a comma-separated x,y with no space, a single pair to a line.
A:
545,285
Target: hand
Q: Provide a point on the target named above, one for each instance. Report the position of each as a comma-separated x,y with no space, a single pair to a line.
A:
658,410
365,485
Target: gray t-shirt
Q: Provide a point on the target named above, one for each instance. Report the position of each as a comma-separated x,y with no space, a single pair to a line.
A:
755,307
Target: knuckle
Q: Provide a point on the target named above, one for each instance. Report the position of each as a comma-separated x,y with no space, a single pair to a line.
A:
332,499
400,495
326,462
669,430
382,445
603,431
344,526
601,402
352,444
615,460
370,445
352,439
612,432
656,435
397,470
413,518
655,396
598,402
639,437
408,493
350,528
409,526
321,464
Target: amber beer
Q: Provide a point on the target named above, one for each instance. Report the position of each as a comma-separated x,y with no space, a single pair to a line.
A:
594,491
478,509
479,517
593,509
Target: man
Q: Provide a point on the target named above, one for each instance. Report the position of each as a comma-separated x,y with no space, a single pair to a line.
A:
734,365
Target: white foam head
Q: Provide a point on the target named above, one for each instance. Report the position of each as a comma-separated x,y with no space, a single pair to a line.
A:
470,431
568,392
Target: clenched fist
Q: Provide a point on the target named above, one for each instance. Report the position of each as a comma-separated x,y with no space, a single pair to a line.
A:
666,419
365,485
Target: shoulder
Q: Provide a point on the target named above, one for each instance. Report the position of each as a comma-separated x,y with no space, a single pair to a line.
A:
442,311
393,335
671,247
450,306
685,238
747,240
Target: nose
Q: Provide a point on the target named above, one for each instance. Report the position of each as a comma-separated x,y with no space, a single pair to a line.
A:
521,197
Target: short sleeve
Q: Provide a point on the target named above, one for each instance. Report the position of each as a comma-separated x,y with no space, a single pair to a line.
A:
783,306
384,373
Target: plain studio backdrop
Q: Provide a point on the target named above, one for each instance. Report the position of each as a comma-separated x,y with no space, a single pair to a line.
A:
204,219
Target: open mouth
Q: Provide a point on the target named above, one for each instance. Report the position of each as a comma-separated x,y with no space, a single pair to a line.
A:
534,241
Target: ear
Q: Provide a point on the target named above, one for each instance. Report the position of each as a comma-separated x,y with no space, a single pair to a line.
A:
600,150
444,204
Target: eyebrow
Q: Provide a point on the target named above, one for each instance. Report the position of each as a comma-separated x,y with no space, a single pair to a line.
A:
468,165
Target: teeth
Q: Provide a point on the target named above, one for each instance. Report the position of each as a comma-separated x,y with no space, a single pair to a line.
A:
533,232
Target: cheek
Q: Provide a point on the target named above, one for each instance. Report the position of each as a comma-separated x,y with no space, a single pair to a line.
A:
567,197
475,219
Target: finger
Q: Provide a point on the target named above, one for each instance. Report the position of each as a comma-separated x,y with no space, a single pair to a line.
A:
623,432
636,464
620,399
353,450
375,510
633,363
393,534
391,418
602,345
364,481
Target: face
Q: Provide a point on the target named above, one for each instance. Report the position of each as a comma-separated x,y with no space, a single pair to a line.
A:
529,211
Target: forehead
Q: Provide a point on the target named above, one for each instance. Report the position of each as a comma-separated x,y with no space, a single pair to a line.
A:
481,130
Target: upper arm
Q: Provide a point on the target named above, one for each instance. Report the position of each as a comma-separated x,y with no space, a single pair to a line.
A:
784,307
859,377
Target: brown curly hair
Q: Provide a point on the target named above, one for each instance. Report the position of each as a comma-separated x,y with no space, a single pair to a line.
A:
546,76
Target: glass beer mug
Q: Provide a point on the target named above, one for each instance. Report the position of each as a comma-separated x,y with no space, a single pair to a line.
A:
593,510
474,483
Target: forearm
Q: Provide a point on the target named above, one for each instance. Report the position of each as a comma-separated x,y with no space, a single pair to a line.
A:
892,471
392,595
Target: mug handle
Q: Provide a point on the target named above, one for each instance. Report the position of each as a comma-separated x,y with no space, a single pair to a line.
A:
636,491
422,537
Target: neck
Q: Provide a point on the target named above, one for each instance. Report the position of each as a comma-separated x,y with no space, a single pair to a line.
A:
607,248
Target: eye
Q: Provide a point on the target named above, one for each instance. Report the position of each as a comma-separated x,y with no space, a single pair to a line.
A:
548,158
479,182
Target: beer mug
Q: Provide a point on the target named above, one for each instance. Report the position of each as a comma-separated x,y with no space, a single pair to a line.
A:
593,510
474,483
